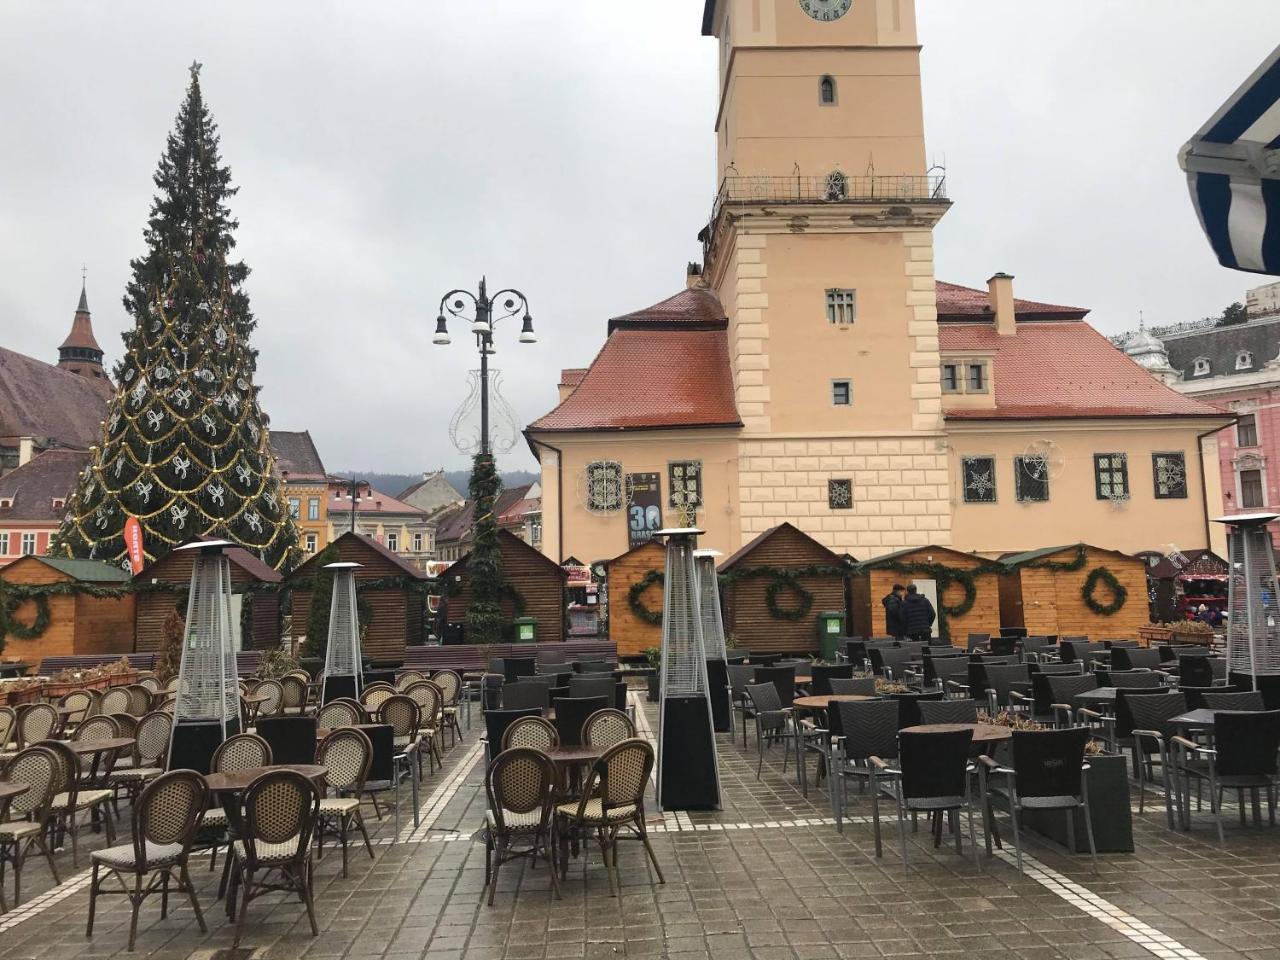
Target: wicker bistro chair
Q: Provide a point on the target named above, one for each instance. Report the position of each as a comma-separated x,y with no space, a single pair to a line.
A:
1047,774
1242,701
243,751
430,701
771,719
374,695
450,685
166,819
116,700
607,728
151,743
531,732
36,722
823,673
1243,758
74,796
408,678
98,728
520,785
1062,689
273,691
868,728
854,686
595,685
783,679
29,814
1008,686
1151,734
892,663
139,699
273,849
347,754
8,728
294,694
932,777
1127,658
339,713
949,711
612,798
77,705
402,714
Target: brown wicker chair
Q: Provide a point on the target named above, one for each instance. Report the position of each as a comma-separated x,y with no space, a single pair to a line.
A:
244,751
347,754
408,678
374,695
520,785
295,694
534,733
339,713
166,819
607,728
75,707
430,703
612,798
274,693
273,849
151,743
36,722
116,700
139,699
41,770
450,685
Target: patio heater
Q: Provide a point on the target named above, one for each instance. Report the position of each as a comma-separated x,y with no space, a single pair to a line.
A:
207,708
1253,624
713,643
688,777
343,668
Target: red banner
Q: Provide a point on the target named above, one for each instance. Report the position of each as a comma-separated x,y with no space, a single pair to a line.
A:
133,543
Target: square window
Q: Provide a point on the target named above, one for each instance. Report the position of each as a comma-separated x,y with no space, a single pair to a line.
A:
979,477
1250,492
1170,473
951,378
1030,479
976,378
1247,430
604,486
684,485
842,392
842,306
840,494
1111,476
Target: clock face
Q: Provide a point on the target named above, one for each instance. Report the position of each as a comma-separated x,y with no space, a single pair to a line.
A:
826,9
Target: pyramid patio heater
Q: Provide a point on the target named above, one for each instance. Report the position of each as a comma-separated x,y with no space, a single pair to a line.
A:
1253,624
688,777
207,708
704,562
343,668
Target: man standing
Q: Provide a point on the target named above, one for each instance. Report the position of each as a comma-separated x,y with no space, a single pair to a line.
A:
918,615
894,625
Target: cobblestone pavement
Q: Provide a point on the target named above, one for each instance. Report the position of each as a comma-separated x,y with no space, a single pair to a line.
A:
767,877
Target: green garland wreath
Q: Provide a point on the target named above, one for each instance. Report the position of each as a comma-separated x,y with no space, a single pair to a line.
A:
635,597
1101,575
10,626
787,581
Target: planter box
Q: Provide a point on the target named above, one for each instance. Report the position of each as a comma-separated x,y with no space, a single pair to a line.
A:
52,691
16,698
1150,635
1108,802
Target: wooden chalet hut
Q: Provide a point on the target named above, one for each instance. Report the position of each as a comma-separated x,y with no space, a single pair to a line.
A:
884,571
1180,583
819,572
1050,602
539,581
633,634
78,623
397,603
173,574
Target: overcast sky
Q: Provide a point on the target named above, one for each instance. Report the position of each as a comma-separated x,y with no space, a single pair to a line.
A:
387,152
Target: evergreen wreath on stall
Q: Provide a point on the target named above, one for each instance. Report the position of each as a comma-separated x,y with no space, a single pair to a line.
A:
11,626
1101,575
635,597
784,580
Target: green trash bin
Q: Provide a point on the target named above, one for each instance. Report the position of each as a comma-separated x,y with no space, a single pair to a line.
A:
830,633
526,629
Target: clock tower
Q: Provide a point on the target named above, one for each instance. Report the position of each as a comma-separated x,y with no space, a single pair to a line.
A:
820,248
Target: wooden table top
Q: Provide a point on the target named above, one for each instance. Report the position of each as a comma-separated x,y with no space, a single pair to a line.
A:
255,697
236,781
982,732
10,790
578,754
88,747
822,701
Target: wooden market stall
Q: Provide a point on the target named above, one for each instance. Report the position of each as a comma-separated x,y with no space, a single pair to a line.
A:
630,630
171,574
798,573
388,587
536,588
74,621
1049,592
941,571
1181,583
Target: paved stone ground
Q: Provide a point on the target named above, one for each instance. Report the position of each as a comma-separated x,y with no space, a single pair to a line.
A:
767,878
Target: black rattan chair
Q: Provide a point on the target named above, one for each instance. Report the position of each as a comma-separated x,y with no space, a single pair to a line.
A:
854,686
771,719
783,680
572,713
949,711
823,673
932,776
1151,733
1242,700
867,728
1243,758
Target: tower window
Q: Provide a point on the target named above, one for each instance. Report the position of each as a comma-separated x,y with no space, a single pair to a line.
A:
841,393
827,91
842,306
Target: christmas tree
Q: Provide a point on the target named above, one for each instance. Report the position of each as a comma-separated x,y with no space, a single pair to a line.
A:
484,565
184,448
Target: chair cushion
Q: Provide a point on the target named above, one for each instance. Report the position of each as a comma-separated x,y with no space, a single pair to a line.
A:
339,804
1049,803
84,799
515,822
594,812
270,852
215,818
121,857
136,773
17,828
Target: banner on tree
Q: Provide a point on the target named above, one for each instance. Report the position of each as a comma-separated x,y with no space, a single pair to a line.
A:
644,512
133,543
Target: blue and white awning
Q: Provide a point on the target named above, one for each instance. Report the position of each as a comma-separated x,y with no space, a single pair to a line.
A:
1233,171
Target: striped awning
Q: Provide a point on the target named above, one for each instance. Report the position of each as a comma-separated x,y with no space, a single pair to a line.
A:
1233,171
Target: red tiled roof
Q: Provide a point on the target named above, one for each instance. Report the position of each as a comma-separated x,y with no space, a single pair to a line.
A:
373,501
81,335
34,485
649,379
1064,369
694,305
967,303
572,376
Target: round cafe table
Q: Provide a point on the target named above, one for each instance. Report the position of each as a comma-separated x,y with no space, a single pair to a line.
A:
983,733
823,701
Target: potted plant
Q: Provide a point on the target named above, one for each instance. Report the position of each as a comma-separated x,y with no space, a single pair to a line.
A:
653,656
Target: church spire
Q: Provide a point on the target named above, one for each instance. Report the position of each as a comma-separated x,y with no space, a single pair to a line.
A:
80,352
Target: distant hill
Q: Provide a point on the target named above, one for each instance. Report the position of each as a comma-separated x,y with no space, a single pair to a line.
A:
393,483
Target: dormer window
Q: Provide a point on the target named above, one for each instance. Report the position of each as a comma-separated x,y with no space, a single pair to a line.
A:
1244,360
6,503
1200,367
827,91
59,503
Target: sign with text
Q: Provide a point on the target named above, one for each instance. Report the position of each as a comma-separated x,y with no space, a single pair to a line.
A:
133,543
644,510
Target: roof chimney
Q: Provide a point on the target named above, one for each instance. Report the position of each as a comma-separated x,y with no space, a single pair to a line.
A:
1000,290
693,278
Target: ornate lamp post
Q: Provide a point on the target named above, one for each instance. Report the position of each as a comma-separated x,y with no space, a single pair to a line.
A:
483,311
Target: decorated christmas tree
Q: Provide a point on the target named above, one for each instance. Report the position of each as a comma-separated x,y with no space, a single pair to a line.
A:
184,448
484,613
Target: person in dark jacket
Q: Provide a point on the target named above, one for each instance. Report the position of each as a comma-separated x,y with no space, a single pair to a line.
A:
918,614
893,622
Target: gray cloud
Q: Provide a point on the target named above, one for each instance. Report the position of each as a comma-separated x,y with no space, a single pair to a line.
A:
388,152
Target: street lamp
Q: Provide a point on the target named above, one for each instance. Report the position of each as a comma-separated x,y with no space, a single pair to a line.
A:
483,312
353,494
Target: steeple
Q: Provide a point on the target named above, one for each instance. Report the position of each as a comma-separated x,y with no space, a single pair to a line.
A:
80,353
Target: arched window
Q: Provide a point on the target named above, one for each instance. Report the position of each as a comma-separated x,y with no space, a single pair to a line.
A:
827,91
